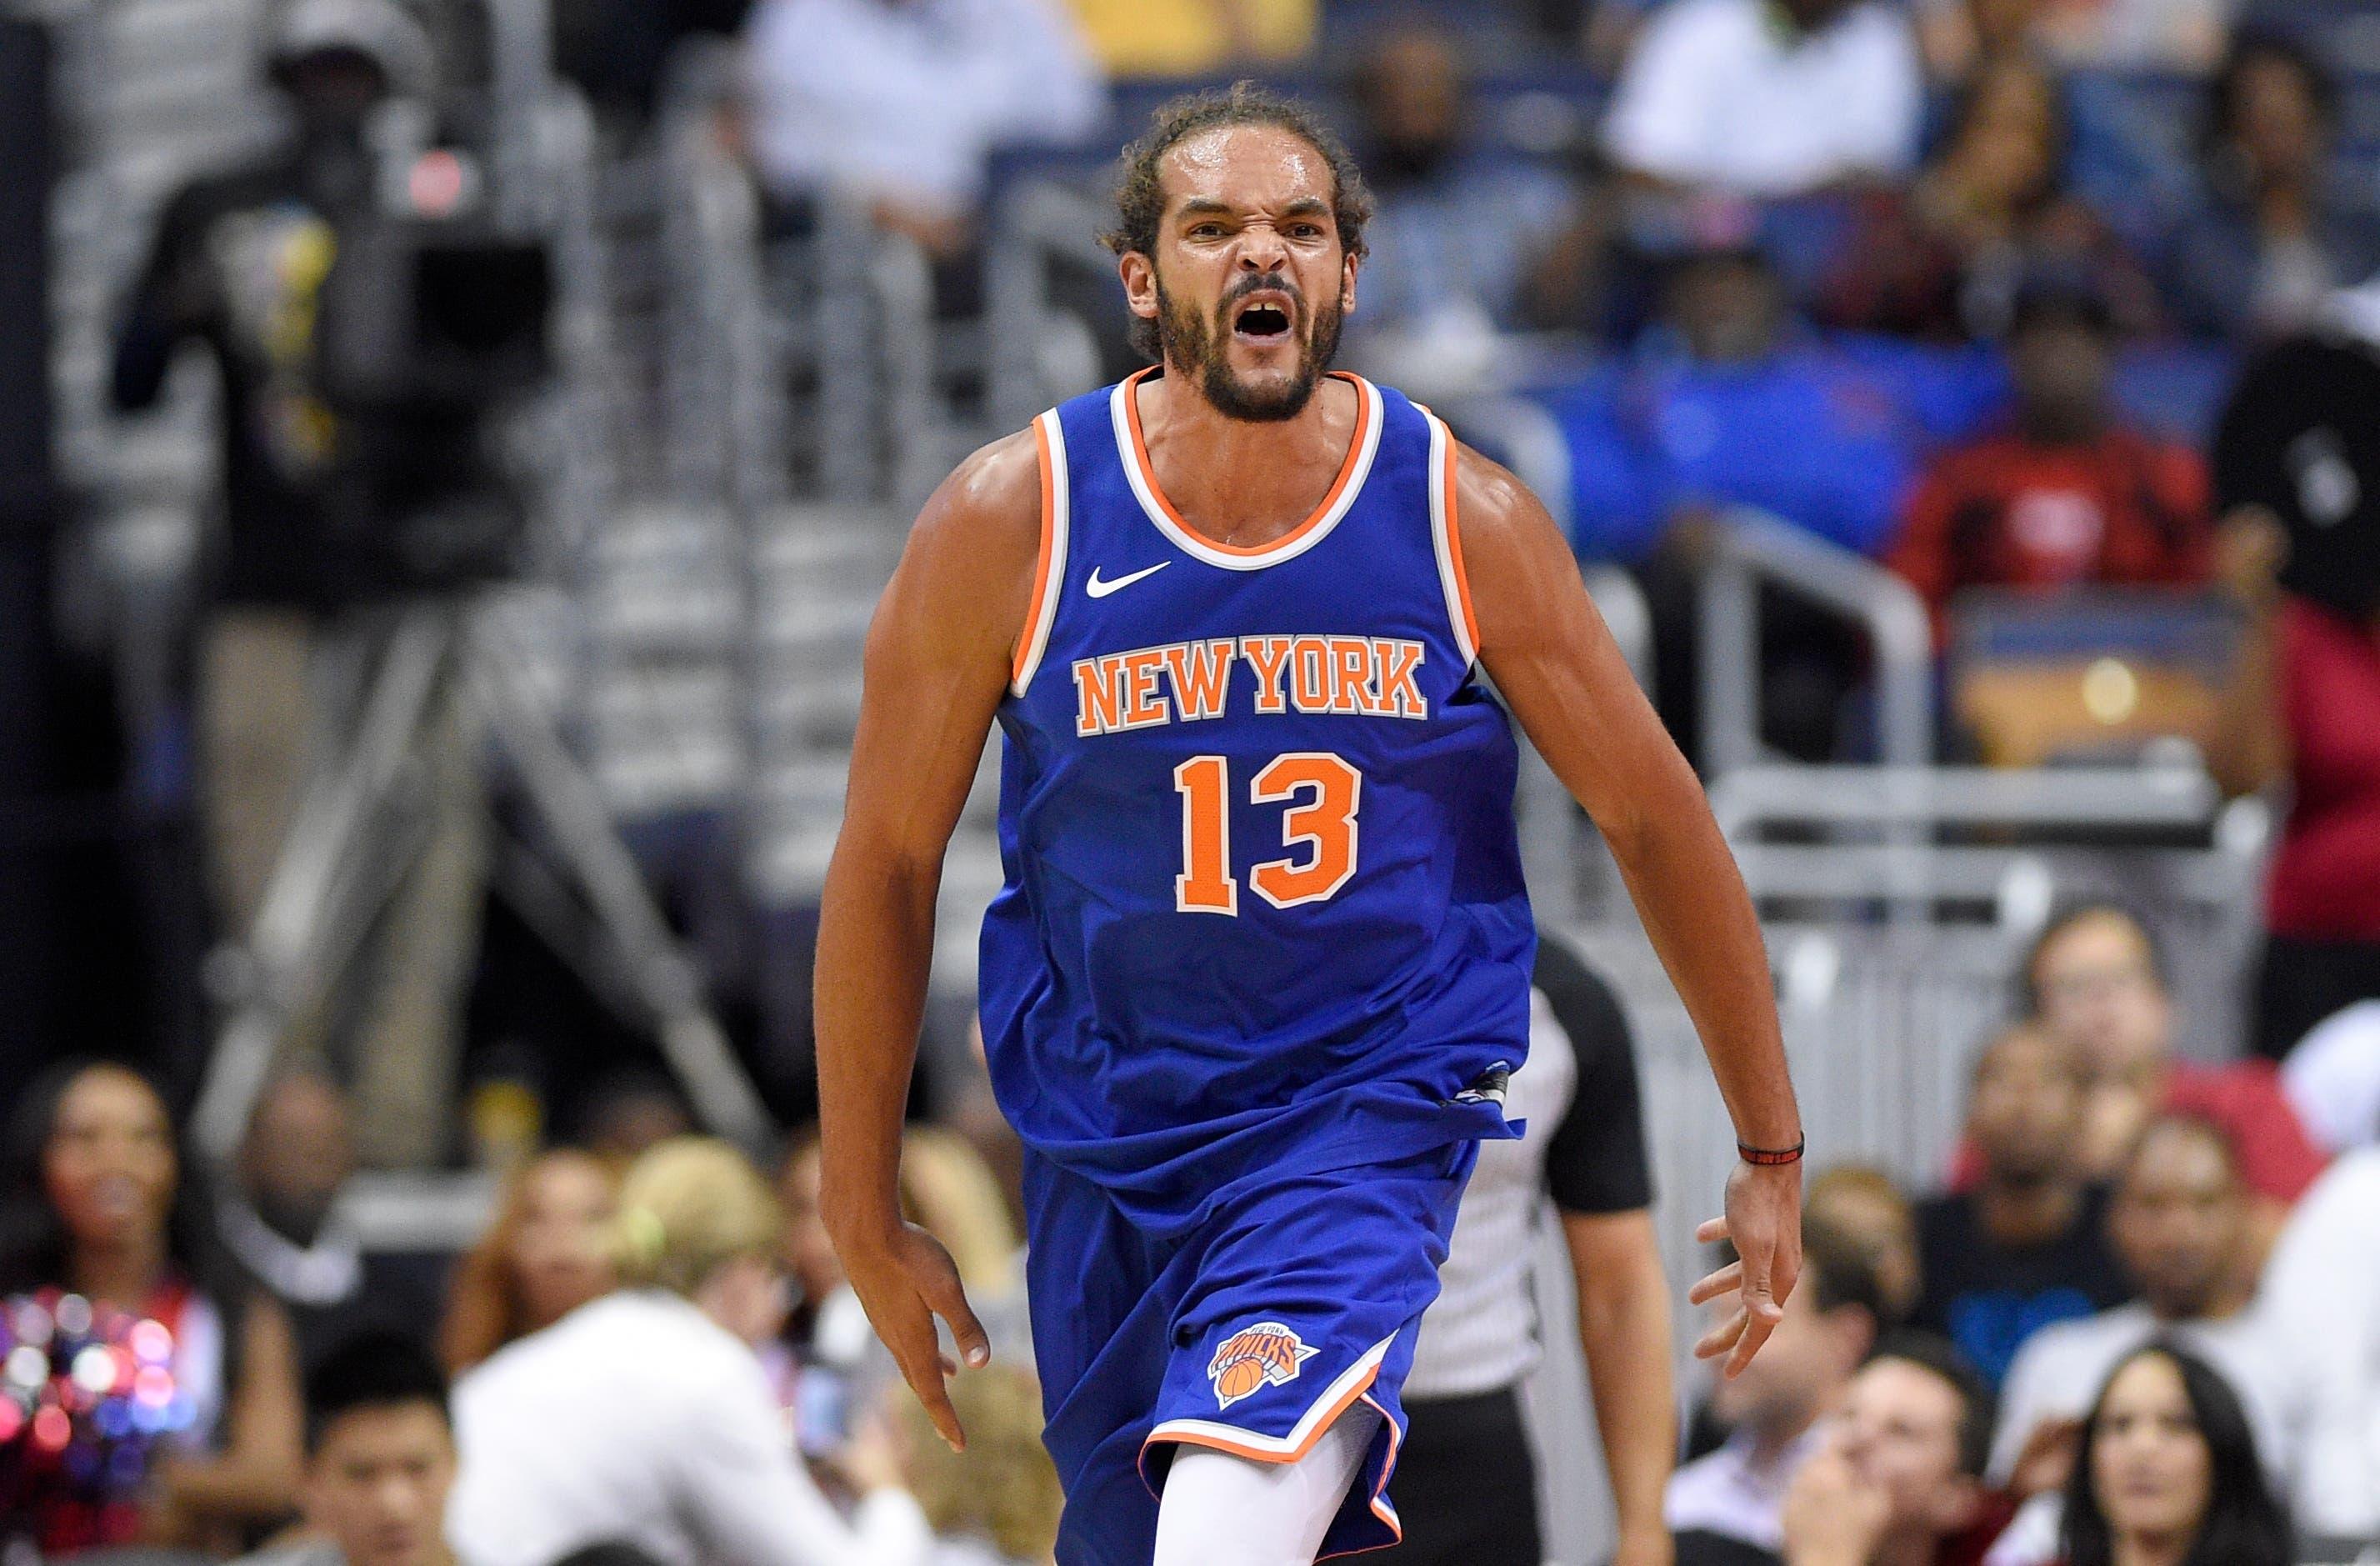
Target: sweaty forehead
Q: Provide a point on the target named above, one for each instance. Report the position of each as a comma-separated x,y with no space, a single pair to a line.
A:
1247,167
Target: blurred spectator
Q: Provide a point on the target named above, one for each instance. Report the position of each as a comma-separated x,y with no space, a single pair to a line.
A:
2096,978
1768,97
1466,1476
1729,1505
2320,1301
237,266
380,1459
1727,403
2185,35
543,1256
2280,226
2026,1246
2066,496
1195,37
1454,231
98,1208
1870,1212
1899,1475
645,1418
1722,404
997,1503
1944,258
2169,1472
2179,1221
281,1221
2332,1079
899,103
630,1110
2298,470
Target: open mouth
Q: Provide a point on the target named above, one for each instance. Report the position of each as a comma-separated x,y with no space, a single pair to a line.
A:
1263,321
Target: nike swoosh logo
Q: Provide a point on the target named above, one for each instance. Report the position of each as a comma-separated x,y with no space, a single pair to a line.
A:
1098,588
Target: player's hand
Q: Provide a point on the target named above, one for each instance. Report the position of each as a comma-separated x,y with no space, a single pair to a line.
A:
905,1282
1764,1223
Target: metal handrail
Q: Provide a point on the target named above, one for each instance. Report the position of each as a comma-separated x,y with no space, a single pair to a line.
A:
1039,222
1750,546
2124,798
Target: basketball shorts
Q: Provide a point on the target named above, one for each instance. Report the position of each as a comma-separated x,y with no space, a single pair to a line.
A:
1250,1332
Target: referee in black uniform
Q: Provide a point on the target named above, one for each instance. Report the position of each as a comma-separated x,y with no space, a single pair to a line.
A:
1466,1484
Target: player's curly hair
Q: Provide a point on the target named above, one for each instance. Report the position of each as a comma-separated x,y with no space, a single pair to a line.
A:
1140,203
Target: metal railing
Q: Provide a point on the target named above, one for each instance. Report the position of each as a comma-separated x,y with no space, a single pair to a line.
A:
1750,549
1040,225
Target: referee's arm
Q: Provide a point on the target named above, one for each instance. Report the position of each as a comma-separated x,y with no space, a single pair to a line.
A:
1596,1171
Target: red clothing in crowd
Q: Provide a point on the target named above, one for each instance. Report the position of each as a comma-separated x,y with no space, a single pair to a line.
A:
2278,1158
2325,875
2005,512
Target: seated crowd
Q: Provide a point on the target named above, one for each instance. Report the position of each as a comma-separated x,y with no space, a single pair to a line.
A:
2125,1330
2138,1312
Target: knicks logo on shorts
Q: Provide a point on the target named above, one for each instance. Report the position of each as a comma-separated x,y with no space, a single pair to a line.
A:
1254,1357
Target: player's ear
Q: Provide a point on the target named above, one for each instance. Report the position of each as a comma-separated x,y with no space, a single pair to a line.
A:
1347,271
1139,274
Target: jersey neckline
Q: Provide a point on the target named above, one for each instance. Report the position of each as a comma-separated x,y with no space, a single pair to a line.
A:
1123,410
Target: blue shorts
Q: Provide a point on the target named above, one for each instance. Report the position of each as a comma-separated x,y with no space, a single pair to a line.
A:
1288,1303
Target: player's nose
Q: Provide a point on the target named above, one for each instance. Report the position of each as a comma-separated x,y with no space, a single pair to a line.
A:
1262,248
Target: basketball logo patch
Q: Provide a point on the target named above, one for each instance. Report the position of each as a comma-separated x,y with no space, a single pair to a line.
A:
1265,1354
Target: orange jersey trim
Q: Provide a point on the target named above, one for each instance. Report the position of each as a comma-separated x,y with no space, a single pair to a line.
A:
1034,610
1380,1499
1338,485
1454,548
1256,1453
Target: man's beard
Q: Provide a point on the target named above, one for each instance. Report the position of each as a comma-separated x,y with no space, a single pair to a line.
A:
1199,349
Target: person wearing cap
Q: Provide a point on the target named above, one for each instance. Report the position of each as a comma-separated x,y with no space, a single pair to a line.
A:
2065,494
237,266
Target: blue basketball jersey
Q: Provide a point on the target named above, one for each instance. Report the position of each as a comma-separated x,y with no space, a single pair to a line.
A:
1263,911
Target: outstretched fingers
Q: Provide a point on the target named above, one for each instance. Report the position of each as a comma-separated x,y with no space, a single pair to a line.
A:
918,1353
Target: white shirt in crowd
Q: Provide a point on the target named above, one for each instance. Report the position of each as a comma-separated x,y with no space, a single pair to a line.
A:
637,1419
1718,92
1726,1493
905,100
2061,1367
2320,1301
2332,1078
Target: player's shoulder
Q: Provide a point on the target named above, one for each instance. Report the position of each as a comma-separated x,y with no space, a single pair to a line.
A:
990,506
1494,507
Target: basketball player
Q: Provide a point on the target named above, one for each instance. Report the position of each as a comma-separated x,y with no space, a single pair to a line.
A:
1261,964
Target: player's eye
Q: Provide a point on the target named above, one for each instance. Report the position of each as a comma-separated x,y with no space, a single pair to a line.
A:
1206,231
1305,231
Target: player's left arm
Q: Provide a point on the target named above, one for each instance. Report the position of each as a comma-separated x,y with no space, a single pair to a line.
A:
1552,657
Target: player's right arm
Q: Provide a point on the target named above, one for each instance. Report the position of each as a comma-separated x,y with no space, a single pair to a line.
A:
938,660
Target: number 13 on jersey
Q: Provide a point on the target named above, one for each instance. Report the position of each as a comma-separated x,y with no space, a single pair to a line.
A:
1323,792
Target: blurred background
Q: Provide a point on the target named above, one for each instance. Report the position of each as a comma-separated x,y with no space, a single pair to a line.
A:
449,451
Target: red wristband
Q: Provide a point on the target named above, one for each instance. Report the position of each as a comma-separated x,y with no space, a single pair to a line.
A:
1769,1157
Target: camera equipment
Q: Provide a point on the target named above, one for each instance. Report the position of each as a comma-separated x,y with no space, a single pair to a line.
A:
428,330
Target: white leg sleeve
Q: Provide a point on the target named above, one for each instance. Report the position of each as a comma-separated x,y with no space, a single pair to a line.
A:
1220,1508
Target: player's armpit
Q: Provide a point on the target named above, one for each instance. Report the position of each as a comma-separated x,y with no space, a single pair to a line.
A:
940,647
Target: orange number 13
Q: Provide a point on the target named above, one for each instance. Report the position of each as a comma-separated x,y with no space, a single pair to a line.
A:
1326,792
